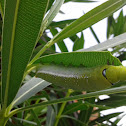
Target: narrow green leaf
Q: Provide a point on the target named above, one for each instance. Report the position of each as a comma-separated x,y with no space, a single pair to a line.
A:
118,120
61,24
29,89
110,24
104,118
73,118
64,122
120,24
50,116
85,115
34,115
89,19
115,100
26,122
52,13
74,38
74,107
61,44
51,112
20,33
87,59
50,4
94,34
118,40
79,43
41,44
77,97
17,123
44,94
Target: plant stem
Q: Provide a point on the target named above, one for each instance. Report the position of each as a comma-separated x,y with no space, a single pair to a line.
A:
62,108
77,97
50,43
2,122
3,119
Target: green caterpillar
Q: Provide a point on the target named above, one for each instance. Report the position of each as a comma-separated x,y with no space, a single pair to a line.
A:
82,78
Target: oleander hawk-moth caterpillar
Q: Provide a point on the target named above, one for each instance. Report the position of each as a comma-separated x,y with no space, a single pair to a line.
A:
83,71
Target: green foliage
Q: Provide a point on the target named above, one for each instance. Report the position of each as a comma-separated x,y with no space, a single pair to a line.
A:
116,26
17,45
86,59
79,43
61,44
30,101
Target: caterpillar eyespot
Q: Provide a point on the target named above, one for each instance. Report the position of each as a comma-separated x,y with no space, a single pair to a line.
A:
104,73
81,78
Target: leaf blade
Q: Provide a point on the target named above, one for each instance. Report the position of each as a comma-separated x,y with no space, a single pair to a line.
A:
79,43
29,89
118,40
77,97
24,39
53,11
60,44
87,59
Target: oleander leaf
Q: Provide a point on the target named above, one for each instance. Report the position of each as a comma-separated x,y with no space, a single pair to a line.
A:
118,40
29,89
52,12
86,59
60,44
20,33
79,43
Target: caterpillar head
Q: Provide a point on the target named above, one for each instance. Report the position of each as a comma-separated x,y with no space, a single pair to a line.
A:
115,74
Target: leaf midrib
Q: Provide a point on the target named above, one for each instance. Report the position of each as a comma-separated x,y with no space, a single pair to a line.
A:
10,55
55,39
27,92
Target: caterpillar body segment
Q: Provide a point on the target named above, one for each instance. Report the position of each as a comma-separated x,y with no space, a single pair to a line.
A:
81,78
